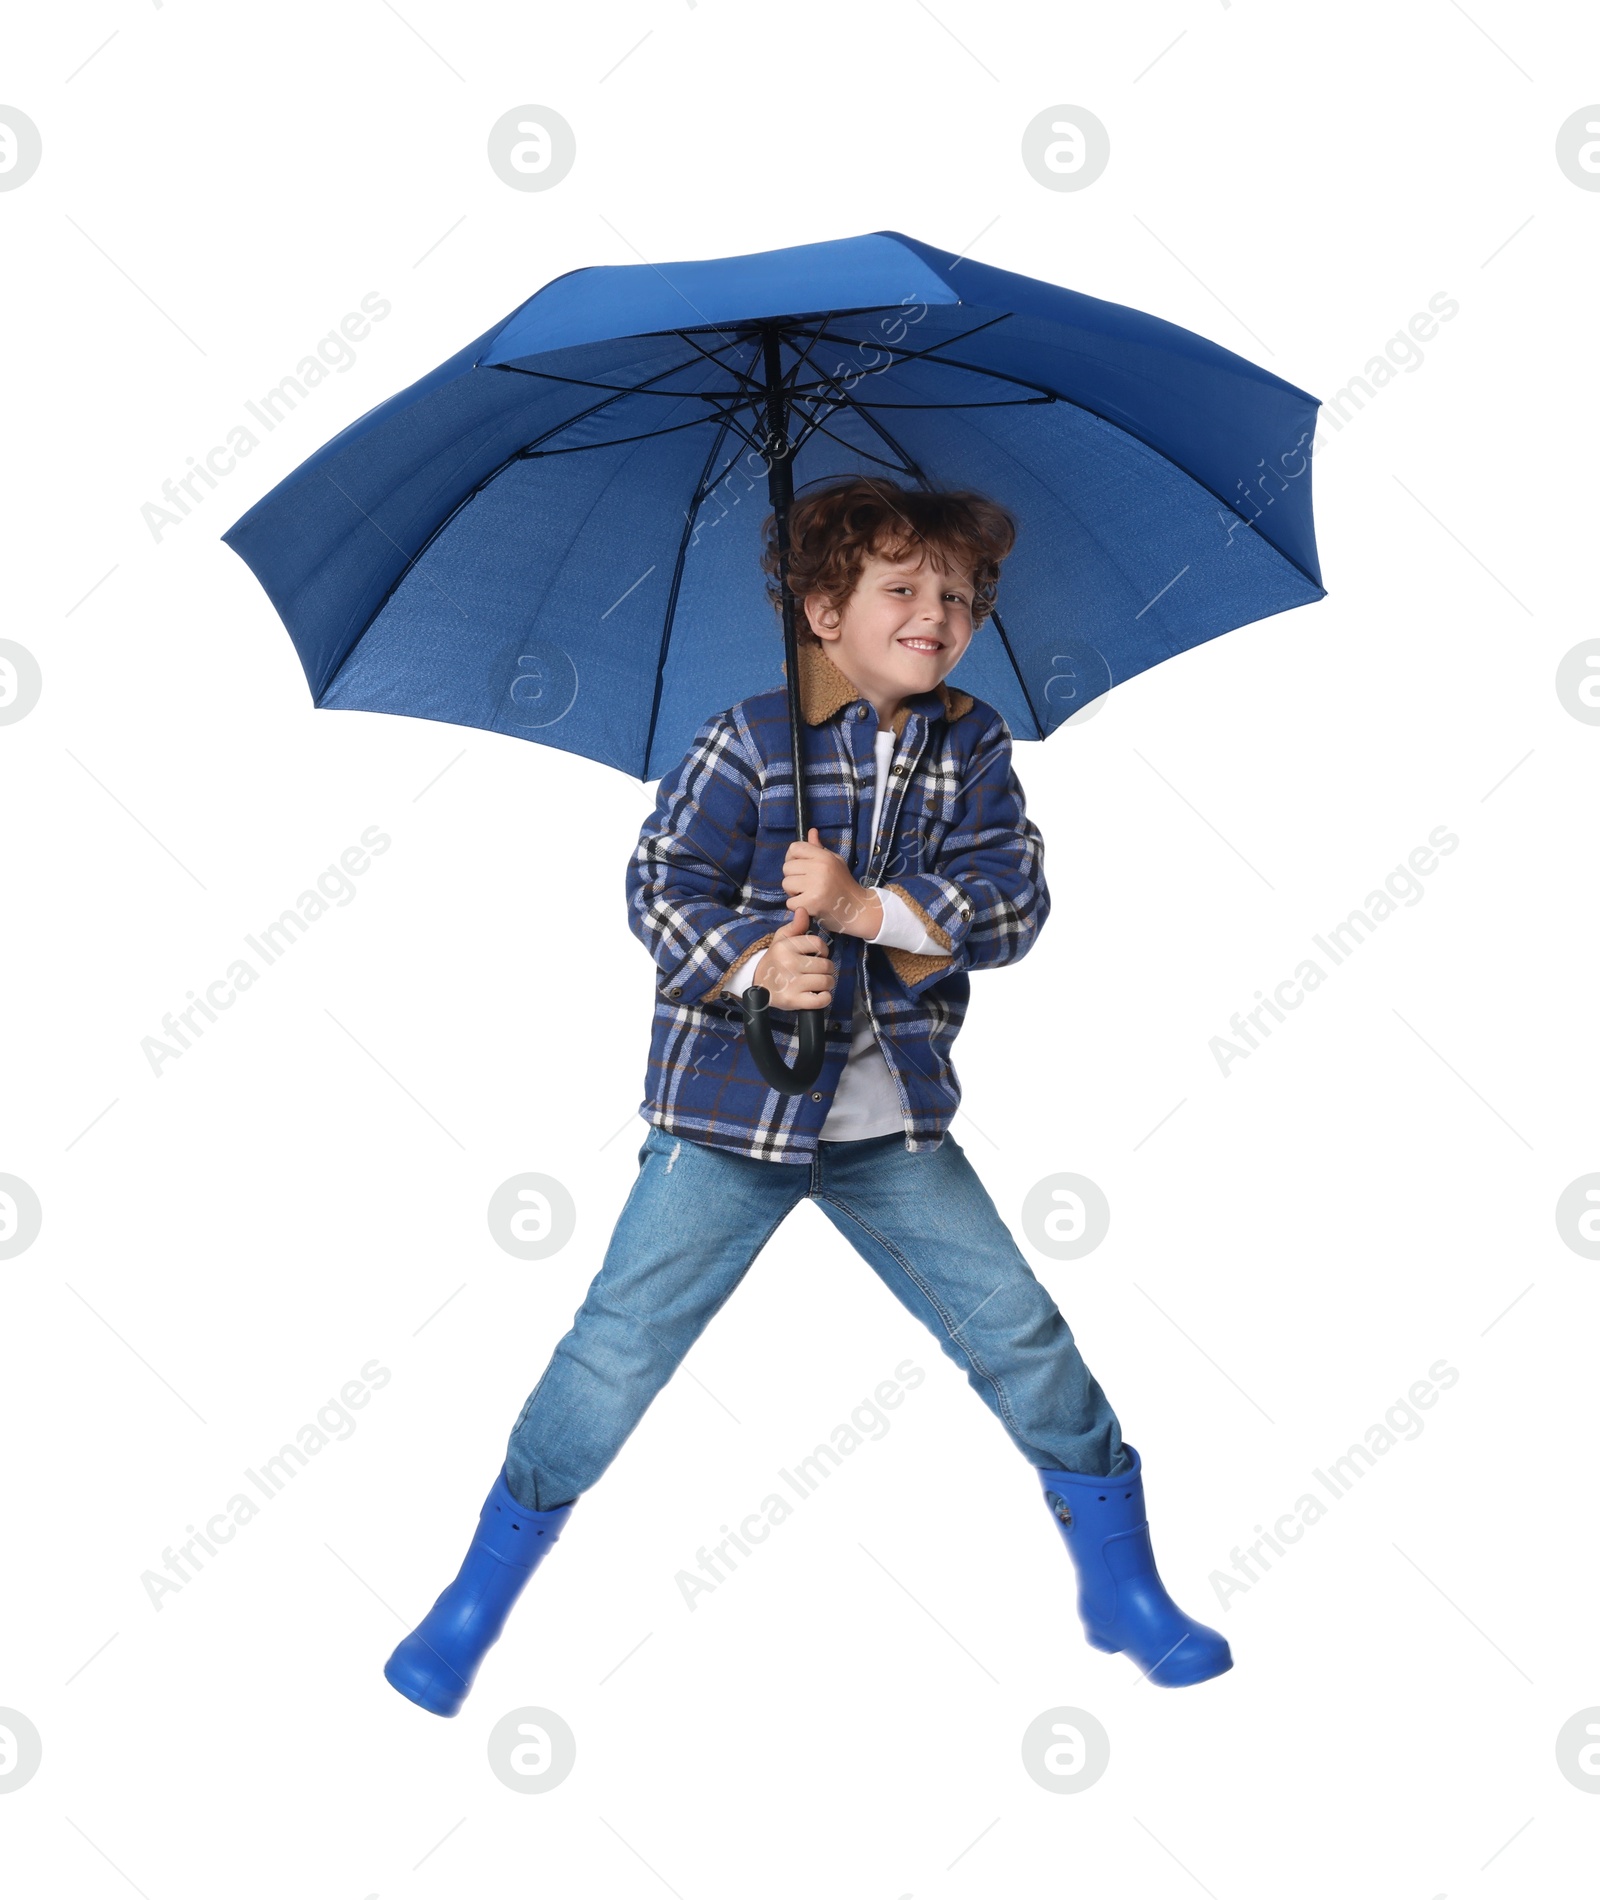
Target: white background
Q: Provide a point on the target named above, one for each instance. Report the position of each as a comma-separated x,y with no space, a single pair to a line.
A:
305,1190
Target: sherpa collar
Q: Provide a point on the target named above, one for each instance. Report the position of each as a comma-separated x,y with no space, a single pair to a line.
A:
824,688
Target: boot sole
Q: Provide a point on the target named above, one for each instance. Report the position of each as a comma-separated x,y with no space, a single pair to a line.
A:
1175,1678
1183,1679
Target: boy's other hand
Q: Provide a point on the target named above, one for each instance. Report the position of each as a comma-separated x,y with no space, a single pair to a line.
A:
795,971
820,880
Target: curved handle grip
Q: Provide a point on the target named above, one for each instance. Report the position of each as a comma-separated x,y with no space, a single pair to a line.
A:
775,1072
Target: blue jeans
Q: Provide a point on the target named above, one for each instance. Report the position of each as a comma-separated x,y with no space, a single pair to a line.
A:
694,1221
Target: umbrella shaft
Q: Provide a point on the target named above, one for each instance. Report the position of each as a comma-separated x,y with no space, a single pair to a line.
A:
780,492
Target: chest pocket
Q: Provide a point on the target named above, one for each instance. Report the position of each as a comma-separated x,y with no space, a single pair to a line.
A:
915,848
925,817
826,807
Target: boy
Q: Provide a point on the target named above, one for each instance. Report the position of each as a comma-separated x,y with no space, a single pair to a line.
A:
922,865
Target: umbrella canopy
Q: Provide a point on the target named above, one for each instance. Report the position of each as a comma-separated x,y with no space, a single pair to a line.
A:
556,534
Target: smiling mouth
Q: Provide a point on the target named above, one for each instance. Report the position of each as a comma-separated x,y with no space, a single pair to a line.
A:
922,643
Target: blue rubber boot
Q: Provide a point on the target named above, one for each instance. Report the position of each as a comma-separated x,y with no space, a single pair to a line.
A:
1121,1599
436,1663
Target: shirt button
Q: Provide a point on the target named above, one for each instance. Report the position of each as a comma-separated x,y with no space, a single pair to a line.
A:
861,712
816,1095
675,991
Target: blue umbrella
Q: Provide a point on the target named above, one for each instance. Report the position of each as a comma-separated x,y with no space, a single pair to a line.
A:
555,534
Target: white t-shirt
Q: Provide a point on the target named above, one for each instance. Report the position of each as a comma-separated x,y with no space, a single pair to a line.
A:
866,1101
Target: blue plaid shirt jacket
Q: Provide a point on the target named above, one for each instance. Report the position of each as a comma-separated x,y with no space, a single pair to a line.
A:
705,892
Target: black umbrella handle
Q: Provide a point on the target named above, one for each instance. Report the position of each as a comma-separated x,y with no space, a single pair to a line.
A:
775,1072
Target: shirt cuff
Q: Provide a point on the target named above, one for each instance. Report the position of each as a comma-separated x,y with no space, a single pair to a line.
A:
736,982
902,929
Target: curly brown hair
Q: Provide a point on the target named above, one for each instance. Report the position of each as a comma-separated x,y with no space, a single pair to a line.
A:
834,528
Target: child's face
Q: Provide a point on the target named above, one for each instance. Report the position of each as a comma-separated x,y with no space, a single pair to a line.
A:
902,630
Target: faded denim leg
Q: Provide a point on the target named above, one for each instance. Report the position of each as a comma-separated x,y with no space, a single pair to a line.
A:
693,1222
926,1226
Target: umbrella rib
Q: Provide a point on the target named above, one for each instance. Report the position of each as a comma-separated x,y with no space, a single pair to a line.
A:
631,389
532,450
711,356
977,329
911,355
724,416
906,462
566,422
1003,402
672,599
845,400
790,381
1005,640
797,398
814,337
901,350
706,487
812,424
796,320
814,427
835,401
907,356
802,357
953,362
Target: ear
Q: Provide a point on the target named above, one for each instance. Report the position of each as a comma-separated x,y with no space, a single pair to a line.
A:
822,618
